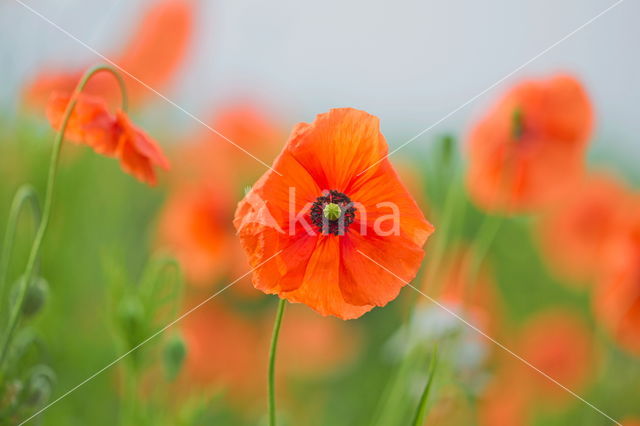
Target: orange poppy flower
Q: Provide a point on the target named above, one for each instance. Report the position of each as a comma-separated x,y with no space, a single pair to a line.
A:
92,124
153,56
318,213
631,422
617,295
574,233
528,150
560,345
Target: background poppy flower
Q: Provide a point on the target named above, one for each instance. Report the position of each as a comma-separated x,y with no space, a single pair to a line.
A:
478,299
325,270
153,55
616,298
505,402
560,345
111,135
575,233
528,150
195,226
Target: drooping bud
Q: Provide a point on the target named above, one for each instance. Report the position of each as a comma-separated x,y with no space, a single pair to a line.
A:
130,319
39,386
35,297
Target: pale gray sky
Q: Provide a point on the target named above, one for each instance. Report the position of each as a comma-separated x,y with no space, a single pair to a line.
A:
409,62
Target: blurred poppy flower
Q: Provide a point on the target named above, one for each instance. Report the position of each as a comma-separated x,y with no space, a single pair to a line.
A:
574,233
111,135
528,150
617,294
631,422
559,344
317,238
152,56
478,299
313,346
222,352
194,224
249,126
505,402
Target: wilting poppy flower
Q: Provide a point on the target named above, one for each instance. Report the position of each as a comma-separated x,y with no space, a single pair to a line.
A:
112,135
575,233
527,151
152,56
560,345
309,224
617,295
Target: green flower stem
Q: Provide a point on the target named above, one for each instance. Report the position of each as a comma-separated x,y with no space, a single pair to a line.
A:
484,239
25,193
421,412
48,201
272,362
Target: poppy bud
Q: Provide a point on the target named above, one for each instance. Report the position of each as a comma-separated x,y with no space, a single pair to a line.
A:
130,319
35,297
40,385
175,351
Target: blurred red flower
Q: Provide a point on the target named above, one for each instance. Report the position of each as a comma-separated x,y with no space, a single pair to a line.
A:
560,345
505,402
222,351
617,294
575,232
527,151
226,350
152,56
111,135
251,128
319,263
195,226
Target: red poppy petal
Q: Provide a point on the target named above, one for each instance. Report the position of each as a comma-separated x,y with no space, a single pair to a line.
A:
339,145
320,288
363,280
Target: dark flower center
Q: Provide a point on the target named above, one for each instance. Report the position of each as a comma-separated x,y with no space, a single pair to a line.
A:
333,212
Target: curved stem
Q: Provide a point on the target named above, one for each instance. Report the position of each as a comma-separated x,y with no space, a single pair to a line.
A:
25,193
272,362
48,201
